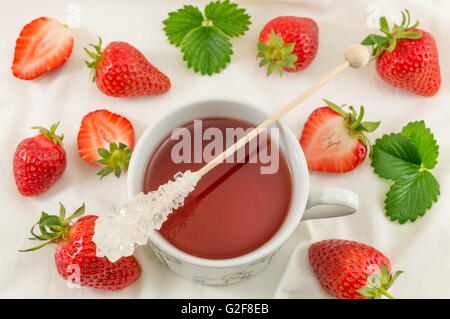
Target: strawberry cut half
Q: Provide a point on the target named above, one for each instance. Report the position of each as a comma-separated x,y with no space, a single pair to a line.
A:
43,45
106,139
333,140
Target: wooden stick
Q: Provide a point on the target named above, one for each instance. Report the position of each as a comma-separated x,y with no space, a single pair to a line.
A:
355,57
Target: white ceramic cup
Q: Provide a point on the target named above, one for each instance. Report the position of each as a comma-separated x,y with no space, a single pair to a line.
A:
227,271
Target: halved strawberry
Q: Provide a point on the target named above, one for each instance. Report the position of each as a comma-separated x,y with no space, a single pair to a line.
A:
333,140
43,45
106,139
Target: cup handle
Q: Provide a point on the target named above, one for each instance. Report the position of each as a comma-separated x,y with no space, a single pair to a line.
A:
347,203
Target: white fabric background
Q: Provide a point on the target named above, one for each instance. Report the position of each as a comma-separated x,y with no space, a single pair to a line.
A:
421,248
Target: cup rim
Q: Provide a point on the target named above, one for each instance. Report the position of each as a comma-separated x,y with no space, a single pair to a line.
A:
293,150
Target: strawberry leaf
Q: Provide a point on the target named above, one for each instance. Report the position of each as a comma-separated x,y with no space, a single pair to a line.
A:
425,142
204,39
181,22
405,158
395,156
411,196
226,16
206,50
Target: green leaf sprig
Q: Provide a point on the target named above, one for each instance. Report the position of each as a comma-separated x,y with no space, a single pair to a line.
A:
204,39
388,41
379,283
276,54
51,133
406,158
53,228
115,160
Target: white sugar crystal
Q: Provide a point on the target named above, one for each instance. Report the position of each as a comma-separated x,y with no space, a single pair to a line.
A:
118,235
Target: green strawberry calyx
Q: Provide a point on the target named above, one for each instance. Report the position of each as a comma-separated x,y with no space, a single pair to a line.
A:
53,228
276,54
388,42
116,159
51,133
354,122
96,57
378,284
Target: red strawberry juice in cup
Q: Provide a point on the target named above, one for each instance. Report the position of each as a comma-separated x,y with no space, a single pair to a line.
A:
234,209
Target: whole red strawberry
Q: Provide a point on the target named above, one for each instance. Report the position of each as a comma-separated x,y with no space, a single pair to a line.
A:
75,257
351,270
406,57
288,43
334,140
120,70
39,161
